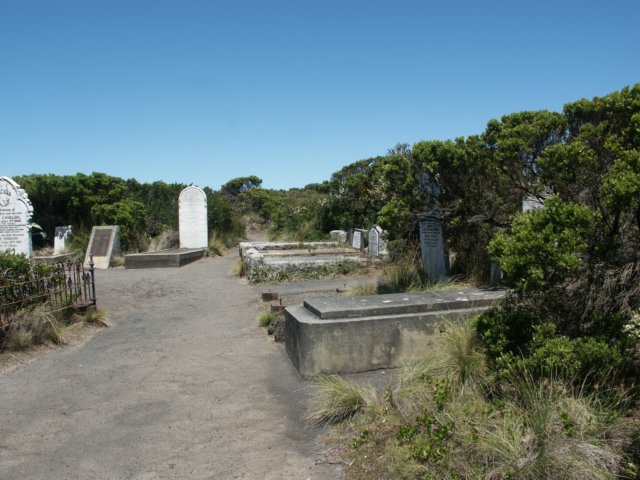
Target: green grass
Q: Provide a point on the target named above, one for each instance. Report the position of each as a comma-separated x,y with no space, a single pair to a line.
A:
334,399
265,319
363,289
448,417
30,327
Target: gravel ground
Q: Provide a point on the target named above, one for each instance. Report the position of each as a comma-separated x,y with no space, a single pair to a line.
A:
184,385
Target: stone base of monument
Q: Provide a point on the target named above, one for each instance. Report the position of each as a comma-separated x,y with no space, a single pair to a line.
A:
53,259
357,334
164,258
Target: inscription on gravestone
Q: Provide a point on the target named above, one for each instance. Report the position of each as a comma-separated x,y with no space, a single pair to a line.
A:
435,260
374,245
15,218
101,243
357,239
104,244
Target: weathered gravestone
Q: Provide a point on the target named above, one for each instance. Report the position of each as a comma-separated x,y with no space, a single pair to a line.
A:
377,242
357,239
104,244
435,260
338,236
192,218
15,218
533,202
60,240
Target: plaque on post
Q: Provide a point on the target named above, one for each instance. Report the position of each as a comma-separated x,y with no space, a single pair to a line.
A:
15,218
104,244
435,260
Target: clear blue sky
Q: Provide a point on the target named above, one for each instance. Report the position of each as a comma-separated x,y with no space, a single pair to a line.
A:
288,90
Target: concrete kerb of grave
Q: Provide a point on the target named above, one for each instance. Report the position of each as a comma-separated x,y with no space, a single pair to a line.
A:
176,257
267,260
357,334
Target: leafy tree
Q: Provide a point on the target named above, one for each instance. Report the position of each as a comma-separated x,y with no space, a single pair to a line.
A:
241,184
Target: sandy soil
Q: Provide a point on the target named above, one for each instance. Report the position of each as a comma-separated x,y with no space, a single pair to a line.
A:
184,385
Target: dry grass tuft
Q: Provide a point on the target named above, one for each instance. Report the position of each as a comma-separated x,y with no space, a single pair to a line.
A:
333,399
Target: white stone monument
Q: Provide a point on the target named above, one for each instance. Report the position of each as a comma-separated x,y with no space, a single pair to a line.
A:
15,218
61,238
192,218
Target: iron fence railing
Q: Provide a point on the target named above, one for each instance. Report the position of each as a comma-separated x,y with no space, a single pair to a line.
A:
69,285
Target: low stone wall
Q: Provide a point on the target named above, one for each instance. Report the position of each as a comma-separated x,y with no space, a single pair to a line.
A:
273,262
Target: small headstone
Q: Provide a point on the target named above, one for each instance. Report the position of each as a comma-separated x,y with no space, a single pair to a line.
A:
495,275
535,202
15,218
192,218
338,235
377,242
60,240
357,240
435,260
104,244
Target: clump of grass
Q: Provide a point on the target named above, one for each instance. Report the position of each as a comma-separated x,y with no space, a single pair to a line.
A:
447,417
333,399
548,430
30,327
117,261
93,317
362,289
401,276
216,246
265,318
239,268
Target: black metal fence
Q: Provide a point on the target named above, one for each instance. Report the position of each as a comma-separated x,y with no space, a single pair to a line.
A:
69,285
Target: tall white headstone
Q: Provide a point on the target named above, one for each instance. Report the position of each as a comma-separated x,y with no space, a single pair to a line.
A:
192,218
15,218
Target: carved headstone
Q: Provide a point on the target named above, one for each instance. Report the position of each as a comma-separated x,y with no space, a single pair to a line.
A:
192,218
435,260
377,242
15,218
104,244
60,240
357,240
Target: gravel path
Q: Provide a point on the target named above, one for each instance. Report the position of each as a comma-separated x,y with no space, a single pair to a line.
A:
183,386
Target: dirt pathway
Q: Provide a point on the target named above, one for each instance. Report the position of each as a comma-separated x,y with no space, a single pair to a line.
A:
183,386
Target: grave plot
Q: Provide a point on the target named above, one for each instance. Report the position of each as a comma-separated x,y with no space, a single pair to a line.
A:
277,261
357,334
192,219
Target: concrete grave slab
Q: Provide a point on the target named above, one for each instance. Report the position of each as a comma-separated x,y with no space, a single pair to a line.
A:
164,258
357,334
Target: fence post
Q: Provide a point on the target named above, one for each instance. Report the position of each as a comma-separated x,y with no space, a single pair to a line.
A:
93,282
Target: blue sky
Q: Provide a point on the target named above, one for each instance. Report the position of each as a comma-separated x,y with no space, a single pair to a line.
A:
288,90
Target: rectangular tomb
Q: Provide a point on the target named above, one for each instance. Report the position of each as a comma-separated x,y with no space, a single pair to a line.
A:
356,334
